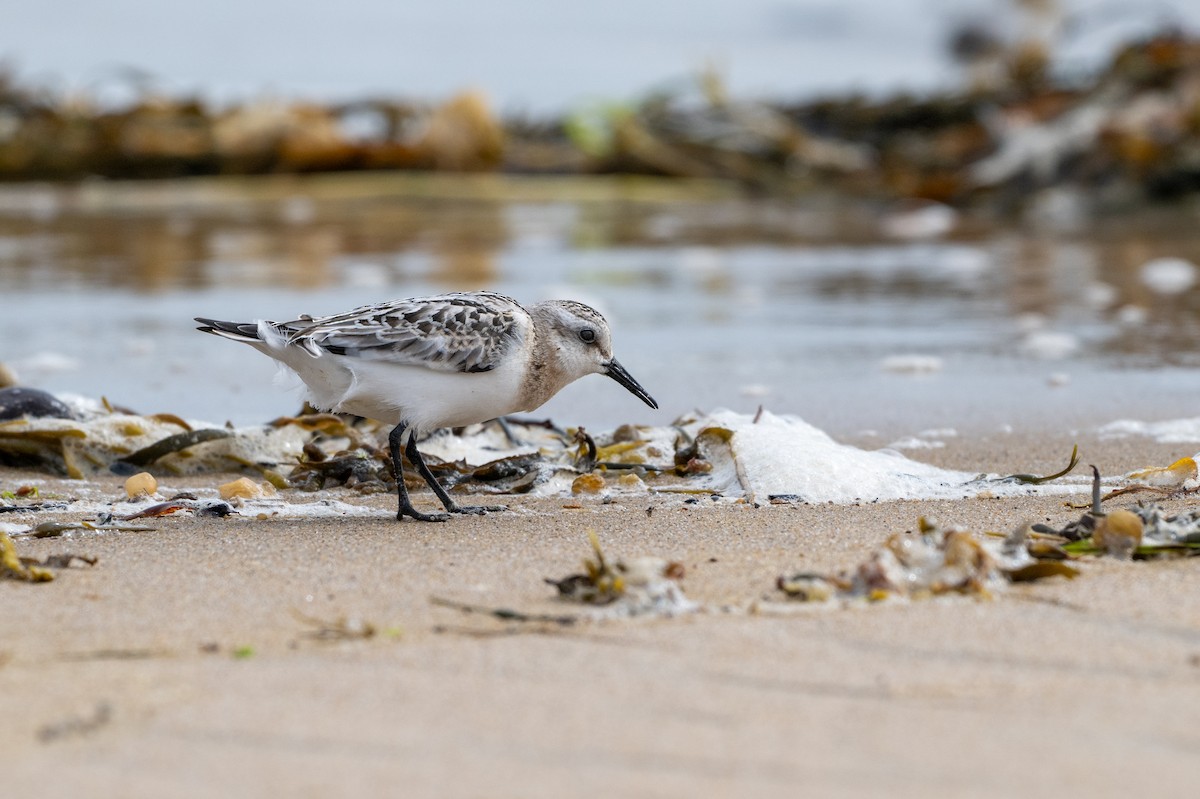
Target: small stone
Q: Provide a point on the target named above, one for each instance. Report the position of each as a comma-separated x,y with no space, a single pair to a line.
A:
630,480
245,488
625,432
590,483
1118,533
141,485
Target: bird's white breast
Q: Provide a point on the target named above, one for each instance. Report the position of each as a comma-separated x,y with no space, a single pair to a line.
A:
429,398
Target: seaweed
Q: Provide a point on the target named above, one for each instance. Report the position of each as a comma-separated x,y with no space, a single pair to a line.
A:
366,470
340,629
634,587
506,614
935,560
18,401
12,566
165,446
616,589
1139,532
1032,479
198,507
600,584
74,726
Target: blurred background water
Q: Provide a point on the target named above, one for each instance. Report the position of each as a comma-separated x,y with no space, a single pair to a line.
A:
866,318
722,303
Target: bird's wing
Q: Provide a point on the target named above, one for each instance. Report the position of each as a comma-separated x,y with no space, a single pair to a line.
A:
448,332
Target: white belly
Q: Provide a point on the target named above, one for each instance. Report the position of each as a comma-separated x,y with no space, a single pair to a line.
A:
429,399
424,398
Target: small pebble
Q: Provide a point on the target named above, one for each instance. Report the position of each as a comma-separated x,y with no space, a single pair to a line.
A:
141,485
245,488
590,483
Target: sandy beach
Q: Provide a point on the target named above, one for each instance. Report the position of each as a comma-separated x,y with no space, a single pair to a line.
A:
188,661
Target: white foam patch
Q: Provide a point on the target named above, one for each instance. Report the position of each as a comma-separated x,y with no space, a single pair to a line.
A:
321,509
912,442
481,446
46,363
784,455
1050,345
912,364
1171,431
1168,275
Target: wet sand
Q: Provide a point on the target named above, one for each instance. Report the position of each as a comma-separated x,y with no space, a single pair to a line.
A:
179,666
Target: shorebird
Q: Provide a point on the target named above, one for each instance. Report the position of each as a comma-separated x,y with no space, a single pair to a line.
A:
448,360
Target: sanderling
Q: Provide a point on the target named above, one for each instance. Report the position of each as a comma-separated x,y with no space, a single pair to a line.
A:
445,361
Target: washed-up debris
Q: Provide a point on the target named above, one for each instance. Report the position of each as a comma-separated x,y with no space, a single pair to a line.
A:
1141,531
1166,482
21,492
721,453
171,444
18,401
75,726
1173,476
934,560
616,589
198,507
52,529
36,570
516,474
1031,479
125,443
118,654
640,586
365,470
65,560
58,529
12,567
340,629
508,614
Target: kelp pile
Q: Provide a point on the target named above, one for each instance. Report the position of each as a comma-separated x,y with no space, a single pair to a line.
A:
722,454
610,588
932,561
937,560
1128,132
1143,531
315,451
626,587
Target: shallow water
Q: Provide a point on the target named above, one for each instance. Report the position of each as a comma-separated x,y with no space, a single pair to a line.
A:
715,303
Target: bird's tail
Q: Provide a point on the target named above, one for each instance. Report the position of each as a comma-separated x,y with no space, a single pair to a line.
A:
237,331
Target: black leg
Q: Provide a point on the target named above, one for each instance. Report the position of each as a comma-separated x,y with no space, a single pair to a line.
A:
509,433
414,457
406,507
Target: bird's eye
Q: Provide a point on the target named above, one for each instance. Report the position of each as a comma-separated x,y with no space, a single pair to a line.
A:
587,335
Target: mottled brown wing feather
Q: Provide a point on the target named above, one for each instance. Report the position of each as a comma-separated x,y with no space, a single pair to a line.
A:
450,332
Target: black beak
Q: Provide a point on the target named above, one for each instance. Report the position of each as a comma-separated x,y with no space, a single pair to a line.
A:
617,372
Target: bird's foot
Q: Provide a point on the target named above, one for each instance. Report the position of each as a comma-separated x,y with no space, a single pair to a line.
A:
478,510
421,517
